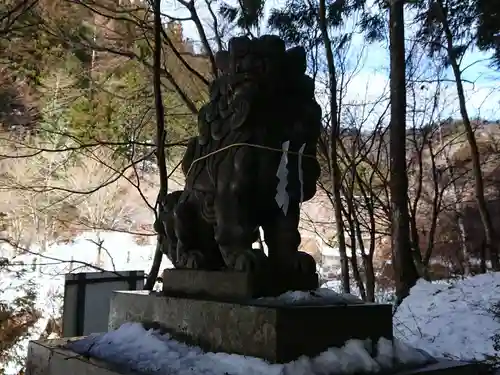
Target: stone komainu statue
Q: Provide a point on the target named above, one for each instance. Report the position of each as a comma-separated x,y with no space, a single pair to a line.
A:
261,103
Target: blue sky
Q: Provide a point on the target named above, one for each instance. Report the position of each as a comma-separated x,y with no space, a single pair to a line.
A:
369,82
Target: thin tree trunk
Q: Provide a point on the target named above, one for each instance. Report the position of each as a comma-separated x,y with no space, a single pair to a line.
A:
368,258
160,141
190,5
489,230
334,135
456,202
353,243
363,292
415,246
482,254
405,272
464,254
355,235
155,268
370,278
354,264
436,209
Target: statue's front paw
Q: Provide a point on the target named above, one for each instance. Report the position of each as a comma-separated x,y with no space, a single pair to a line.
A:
244,260
305,263
195,260
250,261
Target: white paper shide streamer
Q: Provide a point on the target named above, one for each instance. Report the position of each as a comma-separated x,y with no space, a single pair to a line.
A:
301,172
282,197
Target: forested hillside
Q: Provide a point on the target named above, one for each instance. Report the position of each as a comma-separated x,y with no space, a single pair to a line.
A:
78,128
78,121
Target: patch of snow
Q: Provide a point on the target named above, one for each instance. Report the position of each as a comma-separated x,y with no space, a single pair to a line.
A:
382,295
318,296
131,347
454,320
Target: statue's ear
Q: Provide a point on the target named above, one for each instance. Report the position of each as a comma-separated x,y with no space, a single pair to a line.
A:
297,60
272,44
239,45
222,61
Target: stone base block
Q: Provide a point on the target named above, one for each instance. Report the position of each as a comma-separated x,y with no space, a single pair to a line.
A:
277,333
45,357
178,282
231,284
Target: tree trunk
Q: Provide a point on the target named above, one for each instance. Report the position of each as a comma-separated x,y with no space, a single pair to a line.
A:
160,141
415,246
370,278
405,272
354,234
152,277
463,251
482,254
334,135
456,202
354,260
489,230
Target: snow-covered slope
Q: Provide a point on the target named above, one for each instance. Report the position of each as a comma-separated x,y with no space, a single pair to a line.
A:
459,320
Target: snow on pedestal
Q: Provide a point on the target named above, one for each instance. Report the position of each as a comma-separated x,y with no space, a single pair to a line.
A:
320,296
132,347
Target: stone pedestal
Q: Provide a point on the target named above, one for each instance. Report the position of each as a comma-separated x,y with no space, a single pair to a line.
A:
267,329
198,283
46,357
231,284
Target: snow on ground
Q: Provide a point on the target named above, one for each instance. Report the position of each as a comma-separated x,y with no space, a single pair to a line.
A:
382,295
131,347
455,319
119,252
45,272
